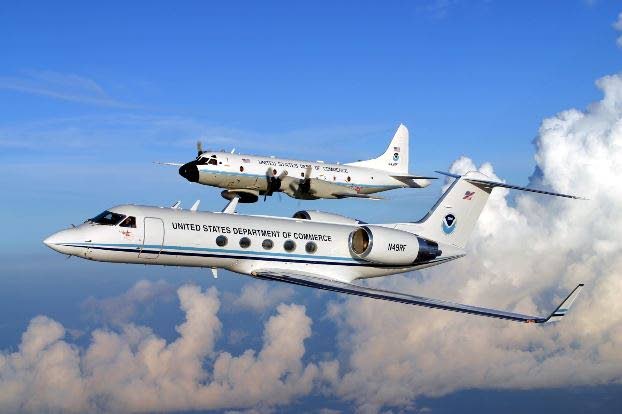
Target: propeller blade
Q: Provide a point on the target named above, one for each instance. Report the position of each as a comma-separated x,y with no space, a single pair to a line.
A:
199,148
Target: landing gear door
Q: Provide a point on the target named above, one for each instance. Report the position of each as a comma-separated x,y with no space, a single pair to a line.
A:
153,238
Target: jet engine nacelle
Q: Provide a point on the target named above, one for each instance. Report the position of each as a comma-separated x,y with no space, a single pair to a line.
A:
325,217
388,246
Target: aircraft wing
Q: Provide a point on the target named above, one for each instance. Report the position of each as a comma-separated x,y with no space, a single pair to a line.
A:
174,164
318,282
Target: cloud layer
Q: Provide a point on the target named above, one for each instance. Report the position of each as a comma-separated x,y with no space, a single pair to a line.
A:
135,370
524,256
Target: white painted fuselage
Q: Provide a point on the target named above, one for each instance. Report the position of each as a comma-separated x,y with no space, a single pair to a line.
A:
252,175
173,237
235,171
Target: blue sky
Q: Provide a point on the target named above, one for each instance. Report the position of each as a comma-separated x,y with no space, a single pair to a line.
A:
91,94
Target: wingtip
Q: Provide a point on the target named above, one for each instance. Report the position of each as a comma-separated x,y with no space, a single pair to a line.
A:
565,306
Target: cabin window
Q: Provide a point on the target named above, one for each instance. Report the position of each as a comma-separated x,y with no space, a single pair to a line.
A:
267,244
221,241
302,175
241,168
213,162
273,172
289,245
349,179
311,247
245,242
129,222
107,218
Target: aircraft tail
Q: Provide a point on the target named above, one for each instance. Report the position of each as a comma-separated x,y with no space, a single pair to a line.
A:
395,158
452,219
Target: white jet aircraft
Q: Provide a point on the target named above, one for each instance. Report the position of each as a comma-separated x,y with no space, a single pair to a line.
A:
315,249
249,176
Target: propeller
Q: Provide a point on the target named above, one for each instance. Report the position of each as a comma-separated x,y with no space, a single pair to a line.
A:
304,185
199,148
273,182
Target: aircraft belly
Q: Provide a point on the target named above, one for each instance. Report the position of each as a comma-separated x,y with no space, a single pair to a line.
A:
243,181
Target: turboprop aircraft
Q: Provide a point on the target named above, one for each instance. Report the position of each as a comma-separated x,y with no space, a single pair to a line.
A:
249,176
315,249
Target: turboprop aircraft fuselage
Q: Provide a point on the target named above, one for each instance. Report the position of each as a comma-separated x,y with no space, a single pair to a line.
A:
248,176
255,173
242,244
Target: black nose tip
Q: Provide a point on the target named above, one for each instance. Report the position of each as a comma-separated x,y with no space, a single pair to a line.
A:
190,172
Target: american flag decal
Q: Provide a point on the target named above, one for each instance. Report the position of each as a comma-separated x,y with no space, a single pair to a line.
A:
468,195
396,149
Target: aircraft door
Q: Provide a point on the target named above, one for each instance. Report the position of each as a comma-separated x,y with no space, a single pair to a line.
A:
153,238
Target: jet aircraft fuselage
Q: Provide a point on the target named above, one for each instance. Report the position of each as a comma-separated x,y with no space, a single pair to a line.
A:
175,237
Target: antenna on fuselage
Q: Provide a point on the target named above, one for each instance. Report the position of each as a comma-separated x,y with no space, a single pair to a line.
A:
232,205
177,205
195,206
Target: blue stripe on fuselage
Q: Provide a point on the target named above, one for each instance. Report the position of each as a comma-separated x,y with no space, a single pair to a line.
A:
220,172
231,254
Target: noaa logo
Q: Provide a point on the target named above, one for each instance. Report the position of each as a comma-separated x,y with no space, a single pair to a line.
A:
396,156
449,224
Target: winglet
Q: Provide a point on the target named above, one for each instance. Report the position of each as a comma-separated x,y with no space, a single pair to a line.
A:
565,305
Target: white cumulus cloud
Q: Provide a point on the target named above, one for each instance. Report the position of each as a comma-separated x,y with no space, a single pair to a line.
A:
137,371
256,296
523,256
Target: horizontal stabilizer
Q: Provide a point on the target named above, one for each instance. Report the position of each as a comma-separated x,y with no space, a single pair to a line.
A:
355,195
412,177
489,185
319,282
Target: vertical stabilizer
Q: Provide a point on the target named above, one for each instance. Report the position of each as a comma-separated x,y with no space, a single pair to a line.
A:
395,158
452,219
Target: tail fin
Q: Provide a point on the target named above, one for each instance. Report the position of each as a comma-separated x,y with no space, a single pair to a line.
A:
453,217
395,158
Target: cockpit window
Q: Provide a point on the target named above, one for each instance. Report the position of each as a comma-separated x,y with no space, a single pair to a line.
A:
213,161
107,218
129,222
201,160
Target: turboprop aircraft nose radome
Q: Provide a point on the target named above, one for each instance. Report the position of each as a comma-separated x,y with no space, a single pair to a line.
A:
190,172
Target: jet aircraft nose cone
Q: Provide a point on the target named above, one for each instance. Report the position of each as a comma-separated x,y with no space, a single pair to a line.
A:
190,172
58,240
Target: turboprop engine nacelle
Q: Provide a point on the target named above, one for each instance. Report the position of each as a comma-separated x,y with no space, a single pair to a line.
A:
325,217
391,247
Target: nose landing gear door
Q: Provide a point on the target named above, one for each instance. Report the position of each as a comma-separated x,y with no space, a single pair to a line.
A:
153,238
